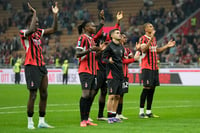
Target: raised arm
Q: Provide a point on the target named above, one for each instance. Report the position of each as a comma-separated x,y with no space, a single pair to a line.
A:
119,17
32,27
55,22
100,27
168,45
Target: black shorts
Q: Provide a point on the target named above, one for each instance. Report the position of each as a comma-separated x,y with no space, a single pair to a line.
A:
114,87
125,85
88,81
34,75
101,79
150,78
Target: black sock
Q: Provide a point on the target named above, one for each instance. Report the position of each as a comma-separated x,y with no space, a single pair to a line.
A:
41,114
30,114
110,114
113,114
143,97
88,104
83,102
101,109
119,108
150,98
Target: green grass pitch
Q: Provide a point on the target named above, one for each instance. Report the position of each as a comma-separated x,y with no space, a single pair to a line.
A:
178,107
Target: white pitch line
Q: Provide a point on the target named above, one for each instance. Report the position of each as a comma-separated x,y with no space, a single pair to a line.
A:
54,105
128,108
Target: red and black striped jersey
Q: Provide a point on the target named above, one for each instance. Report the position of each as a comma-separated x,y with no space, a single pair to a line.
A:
127,54
87,63
32,45
149,58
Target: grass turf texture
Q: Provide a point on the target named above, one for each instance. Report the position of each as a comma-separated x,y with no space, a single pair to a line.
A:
178,107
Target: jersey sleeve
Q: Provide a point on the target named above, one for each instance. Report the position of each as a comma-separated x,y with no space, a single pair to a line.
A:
80,43
127,61
99,32
116,26
40,32
22,33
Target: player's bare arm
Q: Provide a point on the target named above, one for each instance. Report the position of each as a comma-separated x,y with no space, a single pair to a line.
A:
145,48
55,10
170,44
32,27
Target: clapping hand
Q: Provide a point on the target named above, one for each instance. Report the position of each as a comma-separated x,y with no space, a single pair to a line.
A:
55,9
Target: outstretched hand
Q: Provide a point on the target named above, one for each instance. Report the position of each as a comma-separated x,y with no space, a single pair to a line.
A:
171,43
31,8
119,15
55,9
102,14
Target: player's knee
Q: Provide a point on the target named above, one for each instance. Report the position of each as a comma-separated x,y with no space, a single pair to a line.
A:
33,96
43,96
111,97
117,97
86,96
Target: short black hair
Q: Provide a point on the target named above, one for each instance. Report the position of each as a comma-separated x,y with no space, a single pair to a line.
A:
111,32
124,33
28,19
82,26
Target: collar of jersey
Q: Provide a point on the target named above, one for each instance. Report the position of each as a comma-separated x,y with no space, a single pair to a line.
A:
88,36
148,37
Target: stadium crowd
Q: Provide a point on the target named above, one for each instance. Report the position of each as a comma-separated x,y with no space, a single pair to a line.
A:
187,50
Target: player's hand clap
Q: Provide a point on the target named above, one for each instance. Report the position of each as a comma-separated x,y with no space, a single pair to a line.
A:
103,45
55,9
95,48
138,46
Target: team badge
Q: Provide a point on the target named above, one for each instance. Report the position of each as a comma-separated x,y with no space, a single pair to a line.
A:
110,90
79,43
32,84
86,85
